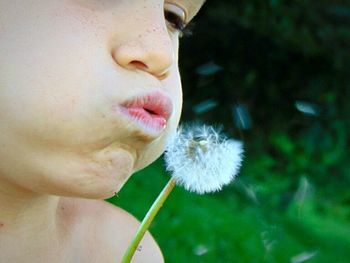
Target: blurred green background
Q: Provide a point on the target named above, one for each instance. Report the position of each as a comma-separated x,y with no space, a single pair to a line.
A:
276,74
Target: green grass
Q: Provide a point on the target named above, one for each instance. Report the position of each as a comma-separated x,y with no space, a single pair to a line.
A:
230,227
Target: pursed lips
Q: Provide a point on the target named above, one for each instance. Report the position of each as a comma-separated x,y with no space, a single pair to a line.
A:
150,112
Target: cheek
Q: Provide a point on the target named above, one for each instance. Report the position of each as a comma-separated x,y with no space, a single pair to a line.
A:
30,107
176,93
43,81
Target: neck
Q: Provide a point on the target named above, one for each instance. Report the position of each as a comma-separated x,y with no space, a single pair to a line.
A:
26,214
36,227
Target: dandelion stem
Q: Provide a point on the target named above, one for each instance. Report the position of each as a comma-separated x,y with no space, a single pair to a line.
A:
146,222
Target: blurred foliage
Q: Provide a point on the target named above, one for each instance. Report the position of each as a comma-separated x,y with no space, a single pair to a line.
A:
276,73
287,64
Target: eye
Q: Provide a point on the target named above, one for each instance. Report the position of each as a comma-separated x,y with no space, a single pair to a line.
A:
175,17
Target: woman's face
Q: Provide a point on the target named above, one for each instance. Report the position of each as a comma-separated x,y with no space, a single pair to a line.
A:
89,91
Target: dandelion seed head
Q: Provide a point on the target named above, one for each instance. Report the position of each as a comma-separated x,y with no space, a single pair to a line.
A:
202,159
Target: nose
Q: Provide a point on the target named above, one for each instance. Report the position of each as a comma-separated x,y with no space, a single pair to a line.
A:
150,50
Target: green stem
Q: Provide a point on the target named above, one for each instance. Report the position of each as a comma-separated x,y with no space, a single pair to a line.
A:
152,212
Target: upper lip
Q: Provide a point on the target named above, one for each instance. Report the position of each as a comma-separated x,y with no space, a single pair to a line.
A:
155,103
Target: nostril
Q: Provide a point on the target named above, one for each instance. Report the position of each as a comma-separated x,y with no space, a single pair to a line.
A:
139,65
142,66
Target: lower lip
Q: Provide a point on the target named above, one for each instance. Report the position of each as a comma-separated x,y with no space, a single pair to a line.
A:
148,122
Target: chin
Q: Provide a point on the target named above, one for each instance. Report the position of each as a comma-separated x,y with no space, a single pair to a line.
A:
97,177
106,175
154,150
99,189
97,194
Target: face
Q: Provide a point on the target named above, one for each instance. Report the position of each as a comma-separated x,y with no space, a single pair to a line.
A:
89,91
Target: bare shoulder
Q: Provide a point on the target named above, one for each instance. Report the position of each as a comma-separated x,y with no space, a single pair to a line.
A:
108,230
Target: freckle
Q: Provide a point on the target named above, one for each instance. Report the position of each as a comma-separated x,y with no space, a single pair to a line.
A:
2,224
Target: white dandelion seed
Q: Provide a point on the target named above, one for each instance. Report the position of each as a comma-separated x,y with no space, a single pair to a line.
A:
202,159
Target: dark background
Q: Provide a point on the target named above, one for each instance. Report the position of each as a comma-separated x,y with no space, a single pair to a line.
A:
279,73
276,74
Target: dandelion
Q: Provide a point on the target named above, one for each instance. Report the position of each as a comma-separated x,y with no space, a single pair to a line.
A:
202,160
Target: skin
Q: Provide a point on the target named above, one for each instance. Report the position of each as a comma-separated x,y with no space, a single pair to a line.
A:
65,65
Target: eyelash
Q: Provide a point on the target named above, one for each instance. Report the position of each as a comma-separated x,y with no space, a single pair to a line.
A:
177,23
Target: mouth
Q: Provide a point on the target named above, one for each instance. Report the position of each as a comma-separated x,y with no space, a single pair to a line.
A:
150,113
